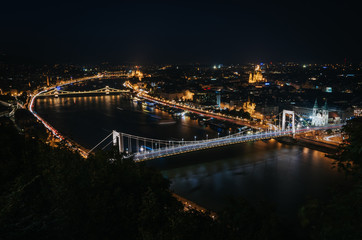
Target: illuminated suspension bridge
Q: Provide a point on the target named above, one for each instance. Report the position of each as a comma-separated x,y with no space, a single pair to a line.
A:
141,148
55,92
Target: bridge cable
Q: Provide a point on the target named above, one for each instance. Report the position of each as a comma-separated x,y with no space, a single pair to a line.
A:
107,145
99,143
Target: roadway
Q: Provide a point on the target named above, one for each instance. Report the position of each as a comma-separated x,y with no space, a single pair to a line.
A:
38,92
216,142
72,145
203,112
238,121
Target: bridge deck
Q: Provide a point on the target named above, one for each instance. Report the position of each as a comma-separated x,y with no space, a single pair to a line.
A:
216,142
106,90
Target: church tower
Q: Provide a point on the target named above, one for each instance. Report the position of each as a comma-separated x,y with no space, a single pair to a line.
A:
251,78
325,113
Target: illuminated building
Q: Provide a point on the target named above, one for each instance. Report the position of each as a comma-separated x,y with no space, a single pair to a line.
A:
320,116
135,73
249,107
13,92
256,76
218,99
184,95
139,74
357,111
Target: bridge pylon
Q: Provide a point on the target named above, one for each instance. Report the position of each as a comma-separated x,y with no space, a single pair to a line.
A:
118,138
285,112
147,148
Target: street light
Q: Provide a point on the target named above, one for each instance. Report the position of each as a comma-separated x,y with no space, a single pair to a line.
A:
195,138
218,135
207,136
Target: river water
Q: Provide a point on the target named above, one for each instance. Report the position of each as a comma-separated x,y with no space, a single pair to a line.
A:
283,175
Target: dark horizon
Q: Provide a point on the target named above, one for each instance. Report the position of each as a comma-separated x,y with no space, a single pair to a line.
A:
181,32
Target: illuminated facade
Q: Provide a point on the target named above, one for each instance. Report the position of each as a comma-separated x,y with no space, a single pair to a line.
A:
357,111
320,116
136,73
184,95
249,107
256,76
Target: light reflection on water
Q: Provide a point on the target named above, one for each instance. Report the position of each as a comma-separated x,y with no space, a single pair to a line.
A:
265,170
283,175
96,116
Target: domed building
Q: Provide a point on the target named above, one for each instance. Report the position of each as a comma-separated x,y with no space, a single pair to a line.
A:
257,76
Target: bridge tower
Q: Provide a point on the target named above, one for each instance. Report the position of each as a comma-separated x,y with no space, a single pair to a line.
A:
285,112
118,138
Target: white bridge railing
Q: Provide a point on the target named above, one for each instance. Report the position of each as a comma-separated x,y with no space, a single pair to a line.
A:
155,148
107,90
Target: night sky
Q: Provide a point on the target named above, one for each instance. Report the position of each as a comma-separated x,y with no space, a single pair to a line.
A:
181,32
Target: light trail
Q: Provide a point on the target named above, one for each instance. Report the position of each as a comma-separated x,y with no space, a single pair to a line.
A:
143,94
50,127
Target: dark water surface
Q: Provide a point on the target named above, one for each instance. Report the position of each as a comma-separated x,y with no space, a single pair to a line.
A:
283,175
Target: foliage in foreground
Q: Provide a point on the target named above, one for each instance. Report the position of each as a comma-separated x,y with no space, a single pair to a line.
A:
341,216
49,193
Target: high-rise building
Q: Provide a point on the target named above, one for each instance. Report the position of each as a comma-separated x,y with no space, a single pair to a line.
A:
218,99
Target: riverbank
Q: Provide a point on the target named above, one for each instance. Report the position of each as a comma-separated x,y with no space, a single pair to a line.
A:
308,143
188,205
314,145
260,170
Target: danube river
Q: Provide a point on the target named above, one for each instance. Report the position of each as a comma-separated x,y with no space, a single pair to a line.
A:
283,175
